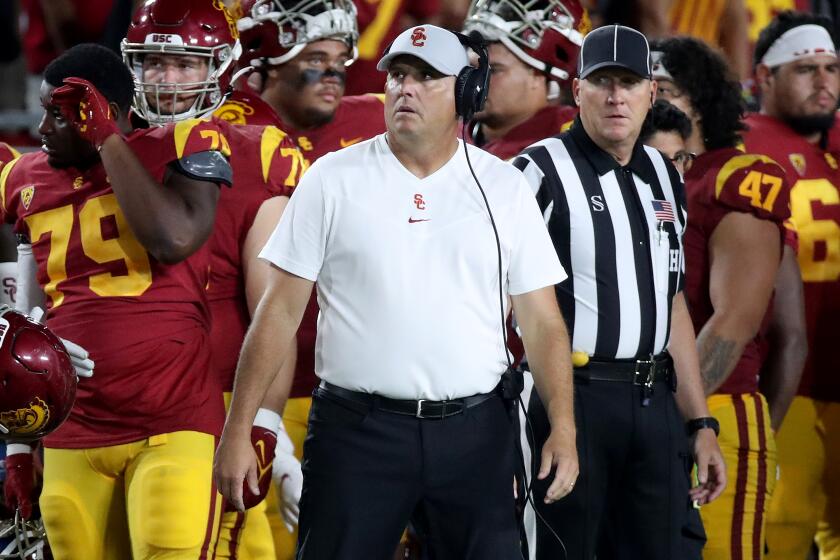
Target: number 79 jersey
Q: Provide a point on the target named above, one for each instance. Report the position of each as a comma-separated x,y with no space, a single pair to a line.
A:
145,324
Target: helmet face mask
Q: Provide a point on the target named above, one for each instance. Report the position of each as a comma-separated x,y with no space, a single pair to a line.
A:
203,29
273,34
545,34
22,539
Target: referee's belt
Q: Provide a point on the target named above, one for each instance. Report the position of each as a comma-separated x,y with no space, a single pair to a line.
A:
421,408
639,372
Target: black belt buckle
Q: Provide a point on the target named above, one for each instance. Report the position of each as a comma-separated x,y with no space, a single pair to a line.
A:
456,408
644,377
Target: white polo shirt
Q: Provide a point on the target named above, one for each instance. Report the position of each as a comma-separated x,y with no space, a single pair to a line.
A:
406,268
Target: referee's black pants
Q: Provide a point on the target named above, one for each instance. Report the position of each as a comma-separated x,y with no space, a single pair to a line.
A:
631,499
366,471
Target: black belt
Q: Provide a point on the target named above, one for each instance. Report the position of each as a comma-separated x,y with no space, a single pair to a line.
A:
421,408
639,372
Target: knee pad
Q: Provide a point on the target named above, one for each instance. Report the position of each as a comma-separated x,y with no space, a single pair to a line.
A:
69,529
170,506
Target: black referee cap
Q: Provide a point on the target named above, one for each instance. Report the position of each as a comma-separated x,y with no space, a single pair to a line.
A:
614,46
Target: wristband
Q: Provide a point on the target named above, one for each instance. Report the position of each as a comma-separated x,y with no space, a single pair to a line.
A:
692,426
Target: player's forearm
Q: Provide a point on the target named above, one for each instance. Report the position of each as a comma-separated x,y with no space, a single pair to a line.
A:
683,349
264,352
788,341
720,344
549,357
279,389
169,226
779,380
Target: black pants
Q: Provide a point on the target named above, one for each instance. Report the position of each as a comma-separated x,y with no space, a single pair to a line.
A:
366,471
631,499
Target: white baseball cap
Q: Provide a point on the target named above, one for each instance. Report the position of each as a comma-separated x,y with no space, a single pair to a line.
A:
439,48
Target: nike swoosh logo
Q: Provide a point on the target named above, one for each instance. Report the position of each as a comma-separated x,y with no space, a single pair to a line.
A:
344,143
414,221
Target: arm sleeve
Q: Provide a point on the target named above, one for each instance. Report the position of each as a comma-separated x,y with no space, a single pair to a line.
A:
29,293
299,241
534,263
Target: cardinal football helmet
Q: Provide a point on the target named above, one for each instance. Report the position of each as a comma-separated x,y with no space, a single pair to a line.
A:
274,32
545,34
202,28
37,378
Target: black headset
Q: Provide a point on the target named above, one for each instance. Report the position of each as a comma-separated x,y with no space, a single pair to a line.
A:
472,84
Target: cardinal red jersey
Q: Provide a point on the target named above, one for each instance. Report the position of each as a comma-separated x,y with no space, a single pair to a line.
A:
547,122
720,182
247,107
265,164
145,324
814,176
7,153
380,21
357,118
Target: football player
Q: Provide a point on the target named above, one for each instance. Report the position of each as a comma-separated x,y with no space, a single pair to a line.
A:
8,252
667,129
737,205
301,50
170,47
797,71
118,219
533,50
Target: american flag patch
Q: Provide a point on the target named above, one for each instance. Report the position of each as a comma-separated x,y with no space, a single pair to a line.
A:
663,210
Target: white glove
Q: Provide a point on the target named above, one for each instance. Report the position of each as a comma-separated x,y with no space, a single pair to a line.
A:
78,355
288,478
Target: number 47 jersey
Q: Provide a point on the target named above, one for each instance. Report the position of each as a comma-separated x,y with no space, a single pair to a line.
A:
145,324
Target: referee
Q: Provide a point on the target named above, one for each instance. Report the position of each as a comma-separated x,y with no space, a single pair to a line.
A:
614,209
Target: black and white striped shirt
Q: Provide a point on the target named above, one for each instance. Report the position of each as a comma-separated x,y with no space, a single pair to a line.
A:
618,232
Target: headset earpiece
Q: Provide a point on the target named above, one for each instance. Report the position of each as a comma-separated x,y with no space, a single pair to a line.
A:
472,84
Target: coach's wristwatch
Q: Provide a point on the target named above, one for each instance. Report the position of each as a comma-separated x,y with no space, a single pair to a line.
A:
692,426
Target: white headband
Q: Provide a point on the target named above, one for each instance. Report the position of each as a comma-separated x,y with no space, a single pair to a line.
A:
799,42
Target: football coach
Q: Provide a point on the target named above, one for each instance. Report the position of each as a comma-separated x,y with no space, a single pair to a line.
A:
413,277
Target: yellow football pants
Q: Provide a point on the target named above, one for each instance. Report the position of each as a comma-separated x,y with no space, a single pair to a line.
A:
735,522
152,499
807,501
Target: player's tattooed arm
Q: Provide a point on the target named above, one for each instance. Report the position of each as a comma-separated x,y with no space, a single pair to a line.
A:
718,357
744,254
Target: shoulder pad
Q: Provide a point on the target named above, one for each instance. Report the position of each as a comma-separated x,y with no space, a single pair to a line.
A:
206,166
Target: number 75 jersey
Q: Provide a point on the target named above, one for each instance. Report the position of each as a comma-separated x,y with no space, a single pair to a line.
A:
145,324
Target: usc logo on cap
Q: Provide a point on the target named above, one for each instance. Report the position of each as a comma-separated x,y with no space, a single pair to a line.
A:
418,37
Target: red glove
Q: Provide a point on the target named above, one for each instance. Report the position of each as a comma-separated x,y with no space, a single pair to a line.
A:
20,478
82,104
264,440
